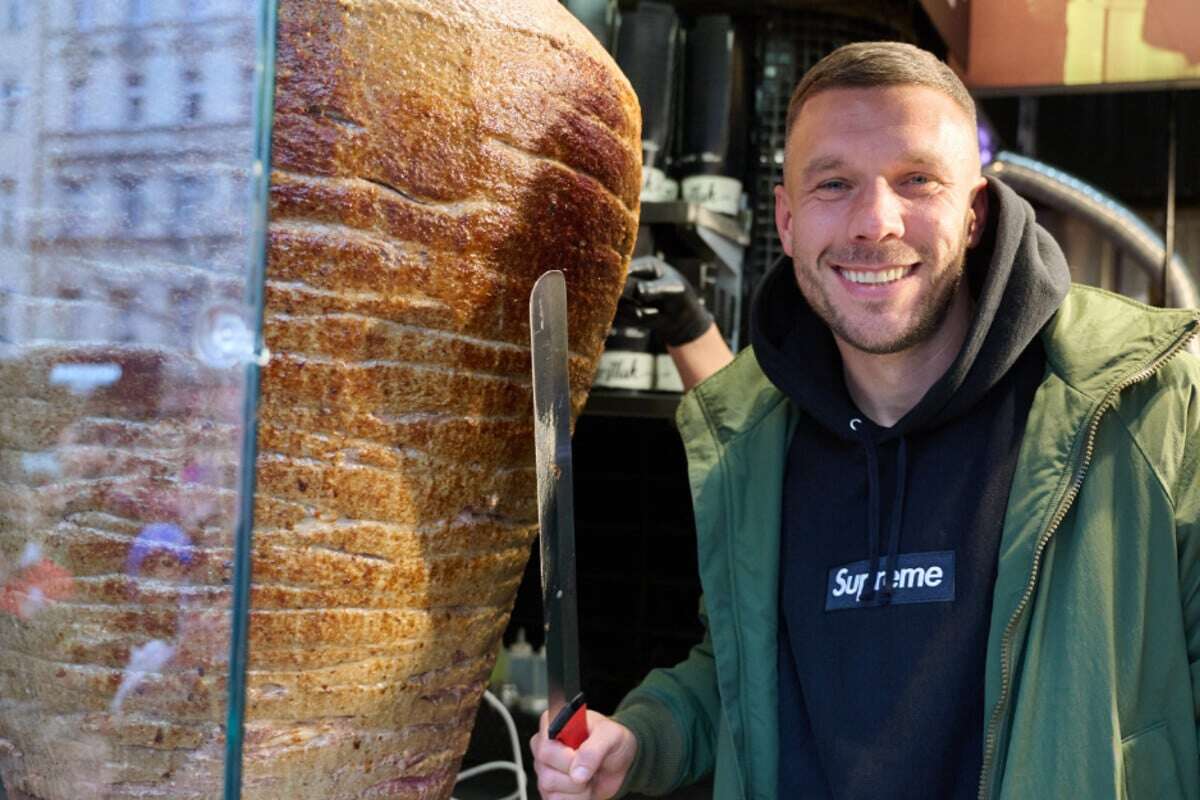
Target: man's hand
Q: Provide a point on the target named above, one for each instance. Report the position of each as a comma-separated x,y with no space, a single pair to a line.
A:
658,297
593,772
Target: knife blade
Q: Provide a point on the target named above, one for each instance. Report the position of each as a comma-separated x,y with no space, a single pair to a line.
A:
556,506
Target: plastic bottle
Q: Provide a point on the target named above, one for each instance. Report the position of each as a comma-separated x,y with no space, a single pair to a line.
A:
536,700
520,664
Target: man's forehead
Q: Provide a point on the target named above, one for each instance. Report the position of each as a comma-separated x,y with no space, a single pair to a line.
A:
916,125
907,101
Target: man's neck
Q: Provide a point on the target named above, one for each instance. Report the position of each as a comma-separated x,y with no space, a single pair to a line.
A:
888,386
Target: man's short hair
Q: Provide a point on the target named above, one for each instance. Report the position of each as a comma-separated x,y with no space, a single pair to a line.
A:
867,65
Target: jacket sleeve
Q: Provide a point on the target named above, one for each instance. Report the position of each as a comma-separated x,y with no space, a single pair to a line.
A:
673,714
1187,520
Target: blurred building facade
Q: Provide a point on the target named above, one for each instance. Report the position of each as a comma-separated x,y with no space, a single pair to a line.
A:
122,207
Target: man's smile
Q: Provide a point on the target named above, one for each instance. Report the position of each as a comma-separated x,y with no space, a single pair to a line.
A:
875,276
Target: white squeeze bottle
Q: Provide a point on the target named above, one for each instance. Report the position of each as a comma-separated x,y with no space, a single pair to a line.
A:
537,700
520,665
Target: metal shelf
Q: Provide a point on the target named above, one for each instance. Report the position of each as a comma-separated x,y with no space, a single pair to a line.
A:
736,229
632,403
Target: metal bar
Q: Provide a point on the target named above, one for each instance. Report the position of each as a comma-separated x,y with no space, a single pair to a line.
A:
1027,115
1169,232
264,109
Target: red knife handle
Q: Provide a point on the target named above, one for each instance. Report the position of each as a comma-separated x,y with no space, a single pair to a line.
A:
570,723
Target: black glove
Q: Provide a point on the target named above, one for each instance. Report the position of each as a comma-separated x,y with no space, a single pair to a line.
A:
658,297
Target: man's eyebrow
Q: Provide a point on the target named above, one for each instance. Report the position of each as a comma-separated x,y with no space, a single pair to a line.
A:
829,163
923,158
822,164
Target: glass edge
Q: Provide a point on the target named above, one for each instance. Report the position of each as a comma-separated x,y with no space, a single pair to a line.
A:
255,289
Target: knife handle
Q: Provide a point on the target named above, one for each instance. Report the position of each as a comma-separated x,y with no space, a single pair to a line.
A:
570,723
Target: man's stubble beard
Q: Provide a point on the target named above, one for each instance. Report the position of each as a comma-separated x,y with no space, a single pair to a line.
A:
929,319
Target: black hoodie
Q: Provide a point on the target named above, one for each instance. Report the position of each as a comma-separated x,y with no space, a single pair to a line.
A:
881,681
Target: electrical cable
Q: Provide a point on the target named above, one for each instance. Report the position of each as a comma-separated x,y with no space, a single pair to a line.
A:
516,766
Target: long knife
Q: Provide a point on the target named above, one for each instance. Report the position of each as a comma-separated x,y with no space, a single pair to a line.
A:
556,506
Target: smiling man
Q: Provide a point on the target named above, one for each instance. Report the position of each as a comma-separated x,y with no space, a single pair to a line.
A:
882,198
947,506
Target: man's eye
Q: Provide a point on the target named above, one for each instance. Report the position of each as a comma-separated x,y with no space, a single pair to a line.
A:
831,185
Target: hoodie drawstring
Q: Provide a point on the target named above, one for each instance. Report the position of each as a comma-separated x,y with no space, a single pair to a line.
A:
868,441
873,514
897,519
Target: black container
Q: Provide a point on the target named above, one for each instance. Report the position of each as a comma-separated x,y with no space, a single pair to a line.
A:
646,44
713,122
628,340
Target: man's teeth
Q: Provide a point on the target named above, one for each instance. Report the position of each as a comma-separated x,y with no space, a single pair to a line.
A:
875,276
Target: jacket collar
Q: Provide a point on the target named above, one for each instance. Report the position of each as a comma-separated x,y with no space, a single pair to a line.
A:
1099,339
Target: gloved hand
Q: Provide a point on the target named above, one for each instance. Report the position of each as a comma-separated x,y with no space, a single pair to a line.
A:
658,297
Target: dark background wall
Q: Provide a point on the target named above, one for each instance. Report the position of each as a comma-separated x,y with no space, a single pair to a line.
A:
1115,140
635,535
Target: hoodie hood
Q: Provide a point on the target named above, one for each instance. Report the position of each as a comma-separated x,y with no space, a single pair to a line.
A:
1018,277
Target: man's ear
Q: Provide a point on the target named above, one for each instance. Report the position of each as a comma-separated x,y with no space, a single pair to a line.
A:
783,218
979,213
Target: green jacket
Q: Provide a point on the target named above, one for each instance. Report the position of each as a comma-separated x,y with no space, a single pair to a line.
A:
1093,660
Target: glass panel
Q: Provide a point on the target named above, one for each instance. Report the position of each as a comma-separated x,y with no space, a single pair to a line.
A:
130,262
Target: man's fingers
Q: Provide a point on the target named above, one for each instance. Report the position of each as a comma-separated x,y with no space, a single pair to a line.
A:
552,781
535,742
585,794
646,312
595,770
555,755
630,314
645,267
602,740
645,272
663,287
587,760
552,760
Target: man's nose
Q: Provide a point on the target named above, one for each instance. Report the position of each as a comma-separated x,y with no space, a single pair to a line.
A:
877,213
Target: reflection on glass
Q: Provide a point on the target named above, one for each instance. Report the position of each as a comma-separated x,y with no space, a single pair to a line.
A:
125,207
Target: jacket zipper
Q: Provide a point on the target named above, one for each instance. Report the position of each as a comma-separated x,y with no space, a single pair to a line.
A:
989,750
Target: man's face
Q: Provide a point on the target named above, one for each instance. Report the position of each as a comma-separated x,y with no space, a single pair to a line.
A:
882,196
